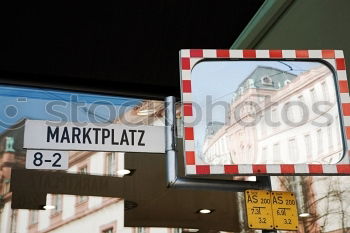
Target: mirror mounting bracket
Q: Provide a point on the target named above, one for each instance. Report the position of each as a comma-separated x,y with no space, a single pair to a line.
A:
173,179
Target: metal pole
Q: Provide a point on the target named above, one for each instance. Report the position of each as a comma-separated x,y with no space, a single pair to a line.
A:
267,181
170,140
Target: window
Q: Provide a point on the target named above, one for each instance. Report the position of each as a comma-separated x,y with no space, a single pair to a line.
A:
57,202
250,153
302,103
287,82
267,81
111,163
290,112
220,147
274,118
141,230
338,130
301,99
263,155
292,149
250,83
325,91
263,126
330,136
13,222
313,95
33,217
308,147
276,152
83,170
242,150
109,230
6,186
319,141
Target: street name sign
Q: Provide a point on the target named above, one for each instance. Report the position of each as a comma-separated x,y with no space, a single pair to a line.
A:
47,159
258,206
49,135
285,214
271,210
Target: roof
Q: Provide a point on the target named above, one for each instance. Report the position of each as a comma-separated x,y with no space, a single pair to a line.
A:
213,127
265,77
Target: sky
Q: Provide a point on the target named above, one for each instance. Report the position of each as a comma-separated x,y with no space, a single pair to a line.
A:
220,80
18,103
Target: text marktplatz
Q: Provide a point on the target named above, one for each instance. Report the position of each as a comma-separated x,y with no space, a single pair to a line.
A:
99,135
48,135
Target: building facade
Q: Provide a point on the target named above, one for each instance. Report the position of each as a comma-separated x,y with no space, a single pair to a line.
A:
71,213
281,118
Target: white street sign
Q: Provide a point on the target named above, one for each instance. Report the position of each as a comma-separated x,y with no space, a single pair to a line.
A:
47,159
93,137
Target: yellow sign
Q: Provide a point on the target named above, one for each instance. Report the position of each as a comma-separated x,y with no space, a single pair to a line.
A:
284,208
258,206
271,210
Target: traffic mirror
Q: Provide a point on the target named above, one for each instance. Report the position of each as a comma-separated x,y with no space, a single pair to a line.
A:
260,111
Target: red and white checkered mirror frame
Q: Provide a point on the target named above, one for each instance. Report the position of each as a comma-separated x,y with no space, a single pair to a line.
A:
190,57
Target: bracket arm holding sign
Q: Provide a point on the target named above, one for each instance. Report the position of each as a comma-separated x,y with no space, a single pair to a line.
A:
174,181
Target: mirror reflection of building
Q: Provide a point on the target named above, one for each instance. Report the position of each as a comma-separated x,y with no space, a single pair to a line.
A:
279,117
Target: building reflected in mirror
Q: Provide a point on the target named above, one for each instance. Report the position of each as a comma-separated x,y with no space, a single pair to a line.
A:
277,117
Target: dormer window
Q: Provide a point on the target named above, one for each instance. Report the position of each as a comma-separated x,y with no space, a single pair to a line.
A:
250,83
266,81
287,82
